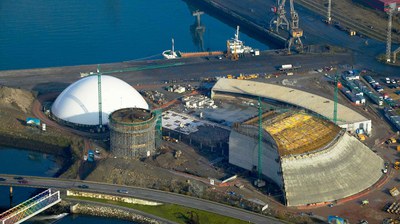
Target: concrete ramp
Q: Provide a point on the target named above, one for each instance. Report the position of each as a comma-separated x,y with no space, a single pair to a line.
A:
344,169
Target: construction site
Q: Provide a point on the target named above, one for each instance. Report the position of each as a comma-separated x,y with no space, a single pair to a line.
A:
284,133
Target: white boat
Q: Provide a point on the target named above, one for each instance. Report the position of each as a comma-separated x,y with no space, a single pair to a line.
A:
236,45
170,54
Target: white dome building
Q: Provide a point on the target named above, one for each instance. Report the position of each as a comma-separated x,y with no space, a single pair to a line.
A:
78,103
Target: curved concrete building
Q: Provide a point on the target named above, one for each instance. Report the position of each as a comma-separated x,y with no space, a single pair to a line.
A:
79,103
347,118
312,160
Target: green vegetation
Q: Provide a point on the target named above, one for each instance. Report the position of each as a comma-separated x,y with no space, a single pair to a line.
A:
173,212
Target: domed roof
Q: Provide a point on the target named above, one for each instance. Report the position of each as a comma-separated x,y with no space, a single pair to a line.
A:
78,103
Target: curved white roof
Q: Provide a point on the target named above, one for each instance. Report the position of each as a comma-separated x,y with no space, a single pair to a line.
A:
78,103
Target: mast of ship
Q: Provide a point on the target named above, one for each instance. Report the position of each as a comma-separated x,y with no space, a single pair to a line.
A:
237,34
173,48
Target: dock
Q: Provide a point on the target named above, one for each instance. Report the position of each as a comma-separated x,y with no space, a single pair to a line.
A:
225,13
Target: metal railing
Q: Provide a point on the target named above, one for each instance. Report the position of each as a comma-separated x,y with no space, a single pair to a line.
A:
30,207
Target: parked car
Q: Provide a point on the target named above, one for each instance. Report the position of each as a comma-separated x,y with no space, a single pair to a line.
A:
18,178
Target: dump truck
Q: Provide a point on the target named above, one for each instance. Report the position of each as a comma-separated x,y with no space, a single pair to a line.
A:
229,76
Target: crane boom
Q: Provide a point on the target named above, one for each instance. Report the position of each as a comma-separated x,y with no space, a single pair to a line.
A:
100,104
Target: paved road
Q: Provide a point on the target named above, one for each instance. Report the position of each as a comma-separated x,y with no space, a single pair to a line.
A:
57,79
142,193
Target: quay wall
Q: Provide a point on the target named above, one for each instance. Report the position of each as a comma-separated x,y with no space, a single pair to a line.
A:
129,200
232,17
111,212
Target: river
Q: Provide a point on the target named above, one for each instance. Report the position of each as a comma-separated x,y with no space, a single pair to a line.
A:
42,33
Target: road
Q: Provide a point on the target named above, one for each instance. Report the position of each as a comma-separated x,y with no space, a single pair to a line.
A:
142,193
57,79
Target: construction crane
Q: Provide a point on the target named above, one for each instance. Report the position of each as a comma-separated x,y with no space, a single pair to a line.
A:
335,98
99,98
259,182
279,19
295,32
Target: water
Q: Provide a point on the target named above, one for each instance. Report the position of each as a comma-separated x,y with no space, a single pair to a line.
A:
43,33
24,162
81,219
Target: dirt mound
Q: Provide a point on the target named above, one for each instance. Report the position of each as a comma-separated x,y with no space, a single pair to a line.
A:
16,98
133,172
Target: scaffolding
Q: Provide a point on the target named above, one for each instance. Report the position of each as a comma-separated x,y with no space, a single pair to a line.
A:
133,133
299,133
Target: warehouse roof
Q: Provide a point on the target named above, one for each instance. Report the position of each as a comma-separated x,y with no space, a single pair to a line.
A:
309,101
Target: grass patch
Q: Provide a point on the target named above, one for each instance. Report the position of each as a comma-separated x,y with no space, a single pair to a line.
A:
173,212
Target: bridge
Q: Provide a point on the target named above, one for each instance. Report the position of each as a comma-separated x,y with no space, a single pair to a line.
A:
30,207
140,193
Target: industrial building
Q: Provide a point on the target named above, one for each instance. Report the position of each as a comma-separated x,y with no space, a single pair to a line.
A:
346,117
311,159
82,103
132,133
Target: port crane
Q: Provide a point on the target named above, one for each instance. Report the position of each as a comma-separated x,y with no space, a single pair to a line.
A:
279,19
295,31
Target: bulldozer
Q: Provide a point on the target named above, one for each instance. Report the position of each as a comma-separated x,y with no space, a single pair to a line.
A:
390,141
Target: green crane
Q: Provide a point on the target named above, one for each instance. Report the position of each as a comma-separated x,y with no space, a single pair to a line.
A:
259,168
99,97
335,100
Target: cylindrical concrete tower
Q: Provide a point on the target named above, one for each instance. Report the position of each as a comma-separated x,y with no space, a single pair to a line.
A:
132,133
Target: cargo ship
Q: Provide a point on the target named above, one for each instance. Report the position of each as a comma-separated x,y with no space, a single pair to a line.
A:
236,45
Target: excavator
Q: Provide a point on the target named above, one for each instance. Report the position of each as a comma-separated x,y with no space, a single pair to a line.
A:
396,165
